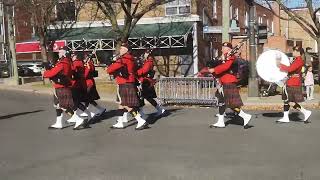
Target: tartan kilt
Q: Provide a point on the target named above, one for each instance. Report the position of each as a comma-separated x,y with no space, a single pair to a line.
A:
148,90
128,95
232,96
92,94
292,94
63,98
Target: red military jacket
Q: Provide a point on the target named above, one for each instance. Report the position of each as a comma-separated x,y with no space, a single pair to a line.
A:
78,73
64,66
222,71
294,71
125,64
144,70
89,69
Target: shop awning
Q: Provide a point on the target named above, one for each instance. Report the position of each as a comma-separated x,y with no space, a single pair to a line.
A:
161,35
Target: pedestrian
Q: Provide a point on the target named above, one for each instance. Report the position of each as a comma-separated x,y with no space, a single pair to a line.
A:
124,71
78,87
145,77
61,75
292,91
92,94
309,83
229,96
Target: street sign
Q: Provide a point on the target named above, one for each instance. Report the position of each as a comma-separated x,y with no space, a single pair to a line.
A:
234,30
212,29
33,47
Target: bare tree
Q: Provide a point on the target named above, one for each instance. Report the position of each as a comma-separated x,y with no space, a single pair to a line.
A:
311,27
133,11
44,14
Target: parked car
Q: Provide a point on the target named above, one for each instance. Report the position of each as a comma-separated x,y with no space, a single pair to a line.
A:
25,71
36,68
4,71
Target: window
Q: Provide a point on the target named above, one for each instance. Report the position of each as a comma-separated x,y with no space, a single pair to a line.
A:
236,14
66,11
260,20
178,7
205,19
214,8
231,12
290,43
272,27
246,21
299,43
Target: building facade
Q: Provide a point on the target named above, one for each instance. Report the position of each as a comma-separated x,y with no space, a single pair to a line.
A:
184,33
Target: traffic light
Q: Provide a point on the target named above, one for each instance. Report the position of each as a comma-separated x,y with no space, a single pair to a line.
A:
262,34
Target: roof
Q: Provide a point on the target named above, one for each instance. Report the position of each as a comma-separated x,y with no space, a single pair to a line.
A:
140,30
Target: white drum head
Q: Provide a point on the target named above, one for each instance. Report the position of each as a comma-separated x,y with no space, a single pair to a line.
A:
267,65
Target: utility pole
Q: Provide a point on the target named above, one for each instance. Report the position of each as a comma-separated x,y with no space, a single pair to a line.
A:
253,88
225,20
12,39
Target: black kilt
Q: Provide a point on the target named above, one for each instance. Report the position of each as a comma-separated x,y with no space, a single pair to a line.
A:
92,94
63,98
128,95
79,95
232,96
292,94
148,90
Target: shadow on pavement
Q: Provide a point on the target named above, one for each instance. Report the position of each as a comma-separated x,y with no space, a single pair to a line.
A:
18,114
237,120
152,119
105,116
294,116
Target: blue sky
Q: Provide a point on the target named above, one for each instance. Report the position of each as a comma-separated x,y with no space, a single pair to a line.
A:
296,3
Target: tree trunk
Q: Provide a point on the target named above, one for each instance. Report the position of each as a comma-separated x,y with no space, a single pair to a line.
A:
318,44
43,46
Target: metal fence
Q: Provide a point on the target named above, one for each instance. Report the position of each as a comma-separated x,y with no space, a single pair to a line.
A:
191,91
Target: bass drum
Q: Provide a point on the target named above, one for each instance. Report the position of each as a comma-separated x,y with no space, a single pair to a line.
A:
267,66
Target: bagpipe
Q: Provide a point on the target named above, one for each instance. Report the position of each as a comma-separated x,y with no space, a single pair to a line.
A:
60,78
218,61
90,56
140,62
123,71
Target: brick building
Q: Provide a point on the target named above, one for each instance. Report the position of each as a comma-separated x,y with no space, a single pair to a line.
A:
294,33
186,33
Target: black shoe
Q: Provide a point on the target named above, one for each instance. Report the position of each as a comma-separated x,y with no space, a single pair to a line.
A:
307,122
144,126
212,126
53,128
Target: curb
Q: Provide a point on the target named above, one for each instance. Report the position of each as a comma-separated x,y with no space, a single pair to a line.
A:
109,98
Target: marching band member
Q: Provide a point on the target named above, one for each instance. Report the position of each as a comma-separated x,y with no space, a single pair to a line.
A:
230,97
124,72
292,92
145,76
61,75
92,93
78,86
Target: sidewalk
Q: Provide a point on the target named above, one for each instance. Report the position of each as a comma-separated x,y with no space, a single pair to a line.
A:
256,103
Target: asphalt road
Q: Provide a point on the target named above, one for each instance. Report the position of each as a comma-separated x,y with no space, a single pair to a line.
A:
176,147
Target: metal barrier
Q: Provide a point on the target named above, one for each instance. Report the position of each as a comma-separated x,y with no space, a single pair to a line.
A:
192,91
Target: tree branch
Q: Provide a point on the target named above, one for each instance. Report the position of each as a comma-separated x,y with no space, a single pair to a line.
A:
304,24
150,7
